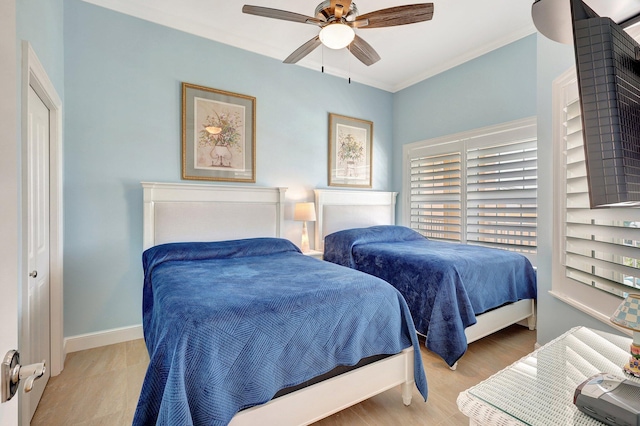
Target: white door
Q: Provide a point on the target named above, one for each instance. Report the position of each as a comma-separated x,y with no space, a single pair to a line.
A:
37,343
9,176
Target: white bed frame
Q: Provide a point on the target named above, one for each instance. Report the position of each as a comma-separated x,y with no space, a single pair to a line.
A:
179,212
342,209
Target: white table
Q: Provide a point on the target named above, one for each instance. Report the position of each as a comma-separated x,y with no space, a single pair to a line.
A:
539,389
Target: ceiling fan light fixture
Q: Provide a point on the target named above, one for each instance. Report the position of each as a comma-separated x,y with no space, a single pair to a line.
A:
337,35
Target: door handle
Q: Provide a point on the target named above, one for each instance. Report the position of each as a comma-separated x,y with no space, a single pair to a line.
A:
12,372
33,274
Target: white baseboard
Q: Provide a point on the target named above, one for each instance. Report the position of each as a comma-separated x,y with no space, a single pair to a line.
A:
102,338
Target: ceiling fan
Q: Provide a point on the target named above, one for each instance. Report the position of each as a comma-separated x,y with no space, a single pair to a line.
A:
338,19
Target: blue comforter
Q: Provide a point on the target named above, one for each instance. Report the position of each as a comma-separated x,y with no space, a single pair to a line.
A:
228,324
445,284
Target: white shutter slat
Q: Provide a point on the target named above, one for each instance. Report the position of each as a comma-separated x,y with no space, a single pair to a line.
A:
449,198
484,188
504,246
577,200
588,248
575,155
597,282
572,110
421,183
574,125
437,159
574,140
578,185
510,161
576,171
434,173
600,268
526,145
621,216
515,196
500,176
525,221
502,229
513,240
603,232
441,220
525,211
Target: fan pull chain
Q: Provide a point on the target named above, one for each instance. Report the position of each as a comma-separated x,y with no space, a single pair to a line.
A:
323,59
350,64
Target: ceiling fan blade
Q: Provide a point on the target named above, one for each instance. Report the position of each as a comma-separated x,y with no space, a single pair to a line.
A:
284,15
399,15
303,50
363,51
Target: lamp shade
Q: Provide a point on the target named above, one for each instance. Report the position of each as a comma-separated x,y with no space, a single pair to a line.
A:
337,35
305,212
628,313
628,316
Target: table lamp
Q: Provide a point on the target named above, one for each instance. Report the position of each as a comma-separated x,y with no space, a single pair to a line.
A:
628,316
305,212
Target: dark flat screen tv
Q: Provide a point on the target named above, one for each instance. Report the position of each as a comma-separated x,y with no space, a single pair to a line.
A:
608,72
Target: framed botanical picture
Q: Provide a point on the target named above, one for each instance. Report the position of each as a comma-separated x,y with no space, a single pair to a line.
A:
218,135
350,151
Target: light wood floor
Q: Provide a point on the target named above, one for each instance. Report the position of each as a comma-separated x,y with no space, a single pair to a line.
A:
101,386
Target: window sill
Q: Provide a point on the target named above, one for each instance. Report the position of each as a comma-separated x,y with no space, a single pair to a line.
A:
594,313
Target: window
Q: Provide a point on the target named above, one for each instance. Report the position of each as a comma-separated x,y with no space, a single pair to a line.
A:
478,187
601,246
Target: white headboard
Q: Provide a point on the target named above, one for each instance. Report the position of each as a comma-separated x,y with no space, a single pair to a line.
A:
182,212
342,209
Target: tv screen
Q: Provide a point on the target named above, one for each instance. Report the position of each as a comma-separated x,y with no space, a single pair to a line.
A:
608,73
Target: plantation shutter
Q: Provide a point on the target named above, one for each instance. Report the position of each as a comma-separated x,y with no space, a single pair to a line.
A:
502,195
602,246
479,187
436,202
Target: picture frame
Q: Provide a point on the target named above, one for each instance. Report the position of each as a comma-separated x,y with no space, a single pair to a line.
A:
218,135
350,152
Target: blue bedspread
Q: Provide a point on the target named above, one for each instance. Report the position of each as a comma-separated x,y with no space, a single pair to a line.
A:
445,284
228,324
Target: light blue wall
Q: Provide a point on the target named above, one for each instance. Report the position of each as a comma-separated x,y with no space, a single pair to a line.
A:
495,88
40,22
554,316
122,126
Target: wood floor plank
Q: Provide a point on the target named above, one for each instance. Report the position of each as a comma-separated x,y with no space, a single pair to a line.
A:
101,386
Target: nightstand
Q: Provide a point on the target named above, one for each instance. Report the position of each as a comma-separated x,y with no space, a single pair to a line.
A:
314,253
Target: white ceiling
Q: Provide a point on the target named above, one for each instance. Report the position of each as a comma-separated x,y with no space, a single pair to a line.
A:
459,31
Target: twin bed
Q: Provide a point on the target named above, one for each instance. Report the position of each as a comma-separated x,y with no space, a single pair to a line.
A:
457,293
237,319
243,328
